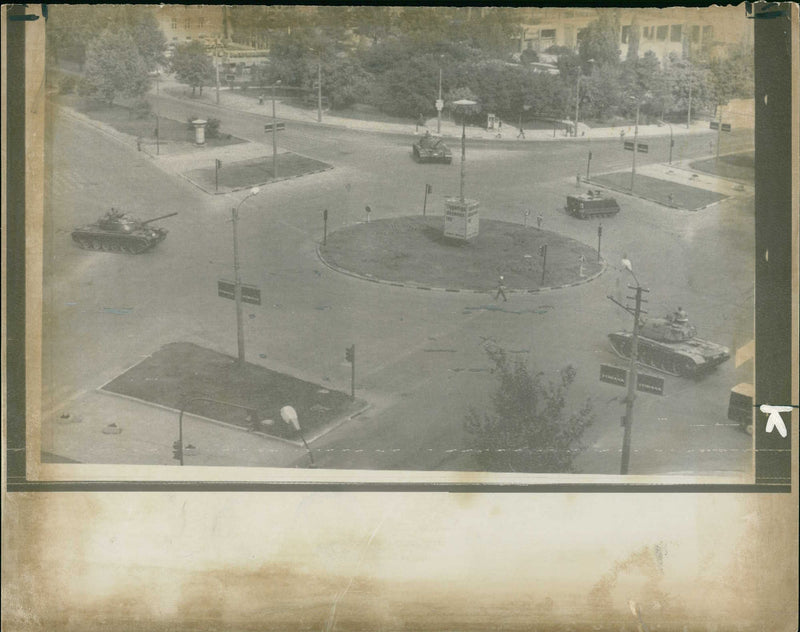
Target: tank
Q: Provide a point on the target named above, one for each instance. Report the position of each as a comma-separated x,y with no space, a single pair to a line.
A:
119,232
670,345
432,149
592,204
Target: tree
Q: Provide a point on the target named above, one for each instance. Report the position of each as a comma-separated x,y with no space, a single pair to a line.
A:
529,430
598,41
192,66
114,67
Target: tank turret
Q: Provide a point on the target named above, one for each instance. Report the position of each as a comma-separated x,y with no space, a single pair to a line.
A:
119,232
671,345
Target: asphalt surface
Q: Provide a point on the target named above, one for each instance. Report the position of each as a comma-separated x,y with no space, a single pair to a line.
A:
421,360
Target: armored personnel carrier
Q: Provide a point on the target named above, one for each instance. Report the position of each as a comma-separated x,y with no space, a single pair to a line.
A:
432,149
119,232
592,204
670,345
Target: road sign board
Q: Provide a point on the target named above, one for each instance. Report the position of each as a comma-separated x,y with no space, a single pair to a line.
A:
726,127
250,293
279,127
613,374
650,384
628,144
642,148
713,124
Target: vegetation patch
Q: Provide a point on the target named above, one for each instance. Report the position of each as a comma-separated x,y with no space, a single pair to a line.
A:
662,191
232,176
178,374
413,250
734,166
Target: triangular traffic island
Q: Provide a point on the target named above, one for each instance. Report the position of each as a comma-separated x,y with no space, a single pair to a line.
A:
203,382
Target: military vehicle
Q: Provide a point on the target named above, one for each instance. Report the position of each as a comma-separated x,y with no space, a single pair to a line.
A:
592,204
119,232
670,345
432,149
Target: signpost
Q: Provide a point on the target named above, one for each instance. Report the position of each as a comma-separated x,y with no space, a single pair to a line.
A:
628,144
642,148
279,127
250,293
428,189
619,376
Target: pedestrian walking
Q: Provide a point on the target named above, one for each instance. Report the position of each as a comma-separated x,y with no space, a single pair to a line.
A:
521,134
539,219
368,210
138,144
501,289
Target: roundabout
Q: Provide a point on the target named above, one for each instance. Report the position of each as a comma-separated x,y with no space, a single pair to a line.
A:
413,252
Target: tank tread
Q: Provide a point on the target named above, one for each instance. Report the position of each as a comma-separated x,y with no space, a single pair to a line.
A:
671,364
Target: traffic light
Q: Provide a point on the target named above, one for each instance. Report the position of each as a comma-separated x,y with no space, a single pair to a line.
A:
177,450
219,164
325,215
428,188
350,354
542,250
599,230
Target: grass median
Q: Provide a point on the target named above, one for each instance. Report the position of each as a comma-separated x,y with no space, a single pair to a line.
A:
663,192
179,374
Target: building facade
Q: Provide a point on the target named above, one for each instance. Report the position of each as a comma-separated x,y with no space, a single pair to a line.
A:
183,23
685,31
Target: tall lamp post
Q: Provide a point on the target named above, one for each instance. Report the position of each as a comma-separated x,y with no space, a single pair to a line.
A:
237,277
463,103
439,102
578,97
274,132
635,141
671,141
632,376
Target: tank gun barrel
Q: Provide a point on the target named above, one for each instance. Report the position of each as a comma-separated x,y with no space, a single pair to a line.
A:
155,219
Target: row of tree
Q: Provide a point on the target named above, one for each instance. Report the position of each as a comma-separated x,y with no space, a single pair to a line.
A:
393,59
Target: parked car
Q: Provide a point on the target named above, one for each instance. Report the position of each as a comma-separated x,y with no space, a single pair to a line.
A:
431,148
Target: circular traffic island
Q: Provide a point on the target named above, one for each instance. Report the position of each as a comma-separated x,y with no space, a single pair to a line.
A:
413,251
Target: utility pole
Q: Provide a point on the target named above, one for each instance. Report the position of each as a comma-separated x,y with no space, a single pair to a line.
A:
719,128
319,90
438,109
274,132
588,162
216,67
237,287
599,237
632,377
689,111
577,102
635,144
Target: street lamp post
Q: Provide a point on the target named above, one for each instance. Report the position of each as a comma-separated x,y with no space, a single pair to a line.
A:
635,144
274,132
465,103
319,90
237,277
439,109
158,147
578,97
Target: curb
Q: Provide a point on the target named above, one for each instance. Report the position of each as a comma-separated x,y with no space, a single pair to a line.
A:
337,422
415,286
455,135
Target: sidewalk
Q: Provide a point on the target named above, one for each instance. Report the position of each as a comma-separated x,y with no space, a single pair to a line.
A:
248,102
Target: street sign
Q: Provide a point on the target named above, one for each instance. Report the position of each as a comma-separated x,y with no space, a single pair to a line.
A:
644,383
279,127
439,104
642,148
250,293
726,127
613,375
713,124
628,144
650,384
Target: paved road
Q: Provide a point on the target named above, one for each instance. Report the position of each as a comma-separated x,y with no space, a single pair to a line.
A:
421,361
